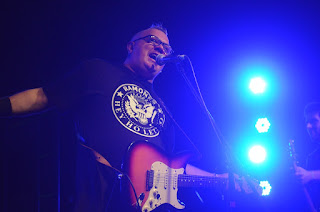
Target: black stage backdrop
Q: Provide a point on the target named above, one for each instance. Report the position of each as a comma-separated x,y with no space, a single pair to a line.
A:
41,41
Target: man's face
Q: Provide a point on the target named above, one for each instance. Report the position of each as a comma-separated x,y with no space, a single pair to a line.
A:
313,126
142,55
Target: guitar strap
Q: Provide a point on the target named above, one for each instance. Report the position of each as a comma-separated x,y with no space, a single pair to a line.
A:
98,156
199,155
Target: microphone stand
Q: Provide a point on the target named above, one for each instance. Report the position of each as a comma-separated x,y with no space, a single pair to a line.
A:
230,158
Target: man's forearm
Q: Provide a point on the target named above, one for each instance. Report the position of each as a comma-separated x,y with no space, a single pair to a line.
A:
315,174
28,101
192,170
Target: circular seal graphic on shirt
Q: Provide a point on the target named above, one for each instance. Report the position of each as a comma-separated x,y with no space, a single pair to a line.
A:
137,111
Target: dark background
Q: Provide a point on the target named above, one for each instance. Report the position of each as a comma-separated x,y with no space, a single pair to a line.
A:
227,41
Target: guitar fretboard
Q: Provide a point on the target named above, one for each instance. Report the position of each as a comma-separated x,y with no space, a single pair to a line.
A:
201,181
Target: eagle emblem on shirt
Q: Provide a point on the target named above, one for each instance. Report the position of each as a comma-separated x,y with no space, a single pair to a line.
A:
141,111
137,110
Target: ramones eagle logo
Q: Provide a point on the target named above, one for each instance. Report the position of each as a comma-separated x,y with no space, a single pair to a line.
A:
137,111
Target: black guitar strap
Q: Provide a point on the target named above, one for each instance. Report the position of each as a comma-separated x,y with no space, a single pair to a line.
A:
199,155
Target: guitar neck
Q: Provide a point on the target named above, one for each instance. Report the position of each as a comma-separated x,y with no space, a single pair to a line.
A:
201,181
305,191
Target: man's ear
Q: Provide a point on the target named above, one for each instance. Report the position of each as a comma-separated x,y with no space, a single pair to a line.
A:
130,47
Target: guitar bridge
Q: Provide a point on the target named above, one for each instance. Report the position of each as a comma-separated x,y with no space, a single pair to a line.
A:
149,180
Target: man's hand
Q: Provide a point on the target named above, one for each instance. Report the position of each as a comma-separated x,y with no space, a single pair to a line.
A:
304,176
247,185
244,184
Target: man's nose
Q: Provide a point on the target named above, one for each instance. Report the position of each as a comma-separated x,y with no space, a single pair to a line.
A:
309,126
160,49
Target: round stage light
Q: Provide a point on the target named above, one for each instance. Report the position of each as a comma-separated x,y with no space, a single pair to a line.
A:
266,187
257,154
257,85
262,125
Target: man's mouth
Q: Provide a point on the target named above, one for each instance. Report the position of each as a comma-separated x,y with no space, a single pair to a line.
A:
153,56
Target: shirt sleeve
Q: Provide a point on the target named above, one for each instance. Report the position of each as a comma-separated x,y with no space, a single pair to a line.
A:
86,79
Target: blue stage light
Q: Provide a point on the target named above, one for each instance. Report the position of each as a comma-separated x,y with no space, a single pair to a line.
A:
257,154
257,85
262,125
266,187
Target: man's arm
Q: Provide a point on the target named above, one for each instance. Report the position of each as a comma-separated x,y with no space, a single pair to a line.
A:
29,101
192,170
240,182
306,176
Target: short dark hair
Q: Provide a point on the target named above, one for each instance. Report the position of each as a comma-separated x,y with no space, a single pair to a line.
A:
160,27
312,107
157,26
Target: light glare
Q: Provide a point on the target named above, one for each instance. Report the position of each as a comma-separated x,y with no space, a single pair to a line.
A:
257,154
257,85
262,125
266,187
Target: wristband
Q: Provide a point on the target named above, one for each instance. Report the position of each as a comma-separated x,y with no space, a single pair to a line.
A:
5,107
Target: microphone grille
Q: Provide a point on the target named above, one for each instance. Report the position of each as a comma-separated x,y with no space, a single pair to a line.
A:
159,59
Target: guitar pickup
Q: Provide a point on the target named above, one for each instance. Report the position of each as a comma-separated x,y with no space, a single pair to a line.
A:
149,180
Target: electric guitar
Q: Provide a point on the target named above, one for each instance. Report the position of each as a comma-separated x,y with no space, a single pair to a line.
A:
305,191
156,177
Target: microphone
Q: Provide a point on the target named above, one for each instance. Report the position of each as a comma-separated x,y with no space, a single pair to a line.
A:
162,59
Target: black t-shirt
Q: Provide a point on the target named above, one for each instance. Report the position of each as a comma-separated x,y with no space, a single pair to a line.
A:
112,107
313,163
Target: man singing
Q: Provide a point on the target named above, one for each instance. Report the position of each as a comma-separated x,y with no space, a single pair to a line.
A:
111,107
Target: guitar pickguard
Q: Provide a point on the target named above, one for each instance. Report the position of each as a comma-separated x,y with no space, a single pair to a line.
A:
164,188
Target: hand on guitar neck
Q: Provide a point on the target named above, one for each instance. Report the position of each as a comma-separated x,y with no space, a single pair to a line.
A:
241,183
305,176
